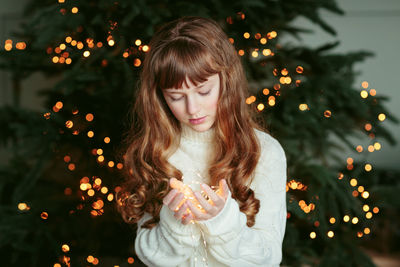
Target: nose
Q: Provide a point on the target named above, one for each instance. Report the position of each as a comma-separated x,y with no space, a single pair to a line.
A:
192,105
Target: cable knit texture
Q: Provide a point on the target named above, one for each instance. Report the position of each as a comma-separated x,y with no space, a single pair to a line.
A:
229,241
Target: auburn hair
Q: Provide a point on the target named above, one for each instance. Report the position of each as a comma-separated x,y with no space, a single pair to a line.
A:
191,48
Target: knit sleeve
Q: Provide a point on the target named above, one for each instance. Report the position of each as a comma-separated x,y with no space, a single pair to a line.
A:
169,243
228,237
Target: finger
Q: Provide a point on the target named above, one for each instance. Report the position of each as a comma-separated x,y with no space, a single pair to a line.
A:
203,203
176,202
187,219
217,200
224,188
167,199
196,212
181,211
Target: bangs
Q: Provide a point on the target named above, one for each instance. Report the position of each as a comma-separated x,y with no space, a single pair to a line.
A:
183,59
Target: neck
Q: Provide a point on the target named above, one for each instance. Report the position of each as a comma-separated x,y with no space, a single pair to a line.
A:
190,134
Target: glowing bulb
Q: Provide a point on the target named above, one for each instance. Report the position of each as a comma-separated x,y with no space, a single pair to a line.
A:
267,52
313,235
138,42
364,94
332,220
346,218
303,107
254,54
368,167
353,182
364,84
365,194
377,146
246,35
86,53
330,234
381,117
354,220
365,208
74,10
260,107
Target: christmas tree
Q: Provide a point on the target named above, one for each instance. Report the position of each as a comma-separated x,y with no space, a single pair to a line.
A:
58,187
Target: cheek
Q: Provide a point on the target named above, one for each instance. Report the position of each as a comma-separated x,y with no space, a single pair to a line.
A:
176,110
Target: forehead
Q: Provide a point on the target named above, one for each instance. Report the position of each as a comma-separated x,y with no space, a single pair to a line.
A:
188,84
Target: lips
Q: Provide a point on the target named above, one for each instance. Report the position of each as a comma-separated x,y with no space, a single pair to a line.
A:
197,121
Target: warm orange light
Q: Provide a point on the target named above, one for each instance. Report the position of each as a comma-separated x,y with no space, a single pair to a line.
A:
350,161
267,52
20,45
65,248
44,215
260,107
89,117
273,34
241,52
365,208
368,167
110,197
137,62
131,260
90,192
360,189
381,117
111,42
107,139
353,182
74,10
68,61
55,59
138,42
364,84
368,215
246,35
74,42
111,164
375,210
372,92
145,48
125,54
104,190
22,206
377,146
90,259
327,113
367,231
120,166
346,218
100,158
332,220
299,69
90,134
263,40
69,124
254,54
97,181
71,167
359,148
371,148
368,127
79,45
303,107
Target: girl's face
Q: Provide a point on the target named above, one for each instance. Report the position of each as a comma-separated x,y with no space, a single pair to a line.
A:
194,106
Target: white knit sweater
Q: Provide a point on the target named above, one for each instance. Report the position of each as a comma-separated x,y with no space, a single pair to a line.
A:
224,240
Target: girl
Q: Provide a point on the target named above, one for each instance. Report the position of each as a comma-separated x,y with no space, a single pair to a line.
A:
191,123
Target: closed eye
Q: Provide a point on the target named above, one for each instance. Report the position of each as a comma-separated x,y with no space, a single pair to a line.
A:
205,93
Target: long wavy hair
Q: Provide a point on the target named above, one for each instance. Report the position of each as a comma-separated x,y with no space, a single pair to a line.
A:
187,48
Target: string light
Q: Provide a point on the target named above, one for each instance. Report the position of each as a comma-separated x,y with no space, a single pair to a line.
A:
246,35
381,117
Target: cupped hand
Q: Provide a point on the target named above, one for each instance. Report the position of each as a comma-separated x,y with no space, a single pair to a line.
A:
175,201
209,209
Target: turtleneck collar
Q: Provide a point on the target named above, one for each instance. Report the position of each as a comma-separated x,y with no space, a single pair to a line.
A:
192,135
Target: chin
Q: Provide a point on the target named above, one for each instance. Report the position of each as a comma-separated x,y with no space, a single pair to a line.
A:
201,127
